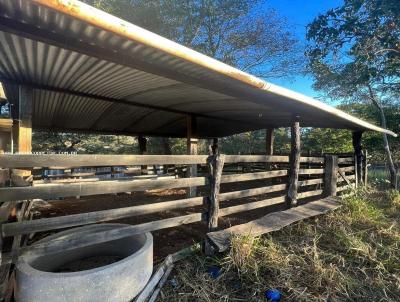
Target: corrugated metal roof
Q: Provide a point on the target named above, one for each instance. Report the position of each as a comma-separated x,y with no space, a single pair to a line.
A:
94,72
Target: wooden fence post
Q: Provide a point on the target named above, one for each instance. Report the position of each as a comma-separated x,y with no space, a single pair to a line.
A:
357,136
215,165
365,164
294,164
330,178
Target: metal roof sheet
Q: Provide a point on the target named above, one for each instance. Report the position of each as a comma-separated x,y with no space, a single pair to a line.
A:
94,72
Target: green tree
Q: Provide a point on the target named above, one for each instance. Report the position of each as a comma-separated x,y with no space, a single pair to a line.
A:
354,55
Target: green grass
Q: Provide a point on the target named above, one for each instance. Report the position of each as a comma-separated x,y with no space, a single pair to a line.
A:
352,254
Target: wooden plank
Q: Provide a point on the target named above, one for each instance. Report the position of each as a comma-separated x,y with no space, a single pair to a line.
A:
309,194
312,160
347,169
252,206
216,166
273,222
330,176
346,160
51,191
251,192
311,171
252,176
47,224
78,160
344,177
87,239
294,163
309,182
155,279
255,159
22,128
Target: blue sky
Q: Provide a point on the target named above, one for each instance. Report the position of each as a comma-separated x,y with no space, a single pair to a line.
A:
299,13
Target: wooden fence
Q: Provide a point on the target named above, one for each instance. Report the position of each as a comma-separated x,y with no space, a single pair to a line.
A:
264,178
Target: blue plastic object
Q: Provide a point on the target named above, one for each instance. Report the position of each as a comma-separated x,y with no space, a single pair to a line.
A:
273,295
214,271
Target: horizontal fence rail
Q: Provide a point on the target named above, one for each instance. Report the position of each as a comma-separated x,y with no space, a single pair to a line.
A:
262,179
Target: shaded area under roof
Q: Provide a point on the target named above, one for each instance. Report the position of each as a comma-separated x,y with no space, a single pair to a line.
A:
93,72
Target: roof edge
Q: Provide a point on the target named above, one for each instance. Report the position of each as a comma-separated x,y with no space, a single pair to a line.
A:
108,22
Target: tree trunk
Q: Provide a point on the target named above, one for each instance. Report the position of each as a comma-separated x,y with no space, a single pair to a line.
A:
389,159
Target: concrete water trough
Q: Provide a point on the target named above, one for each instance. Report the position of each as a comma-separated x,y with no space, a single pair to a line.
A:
111,271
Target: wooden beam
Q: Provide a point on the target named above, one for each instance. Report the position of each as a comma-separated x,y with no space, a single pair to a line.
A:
357,137
72,161
192,148
52,191
331,172
216,166
22,127
253,176
294,163
269,144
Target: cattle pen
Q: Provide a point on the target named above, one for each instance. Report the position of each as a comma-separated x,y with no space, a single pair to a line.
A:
68,67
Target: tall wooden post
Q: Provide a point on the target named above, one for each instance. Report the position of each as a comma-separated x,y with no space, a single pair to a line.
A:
215,168
357,136
294,163
22,127
22,133
192,142
213,146
142,141
330,175
365,164
269,144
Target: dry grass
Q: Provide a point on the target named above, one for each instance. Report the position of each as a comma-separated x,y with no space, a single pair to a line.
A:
352,254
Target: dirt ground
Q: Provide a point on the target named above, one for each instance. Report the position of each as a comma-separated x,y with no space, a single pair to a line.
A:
168,240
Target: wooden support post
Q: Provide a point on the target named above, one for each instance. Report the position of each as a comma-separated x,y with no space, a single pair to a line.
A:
365,164
215,167
22,127
269,145
357,136
142,151
192,142
213,146
330,175
294,163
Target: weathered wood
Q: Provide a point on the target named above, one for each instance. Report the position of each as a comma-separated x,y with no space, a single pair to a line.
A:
347,169
216,166
309,194
251,192
52,191
252,176
310,171
155,279
60,244
256,159
272,222
47,224
192,146
331,172
346,160
72,160
142,141
309,182
294,163
365,165
22,127
344,177
164,278
357,136
252,206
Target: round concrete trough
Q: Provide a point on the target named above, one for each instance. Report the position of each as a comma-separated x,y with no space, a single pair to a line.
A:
113,271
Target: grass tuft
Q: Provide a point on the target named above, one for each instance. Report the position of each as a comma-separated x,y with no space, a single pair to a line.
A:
350,254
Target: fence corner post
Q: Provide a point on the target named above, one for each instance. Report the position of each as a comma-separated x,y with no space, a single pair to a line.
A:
215,165
330,179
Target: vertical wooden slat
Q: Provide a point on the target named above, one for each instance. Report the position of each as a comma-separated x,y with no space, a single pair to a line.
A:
192,142
142,141
365,164
216,166
269,145
294,163
330,175
357,136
